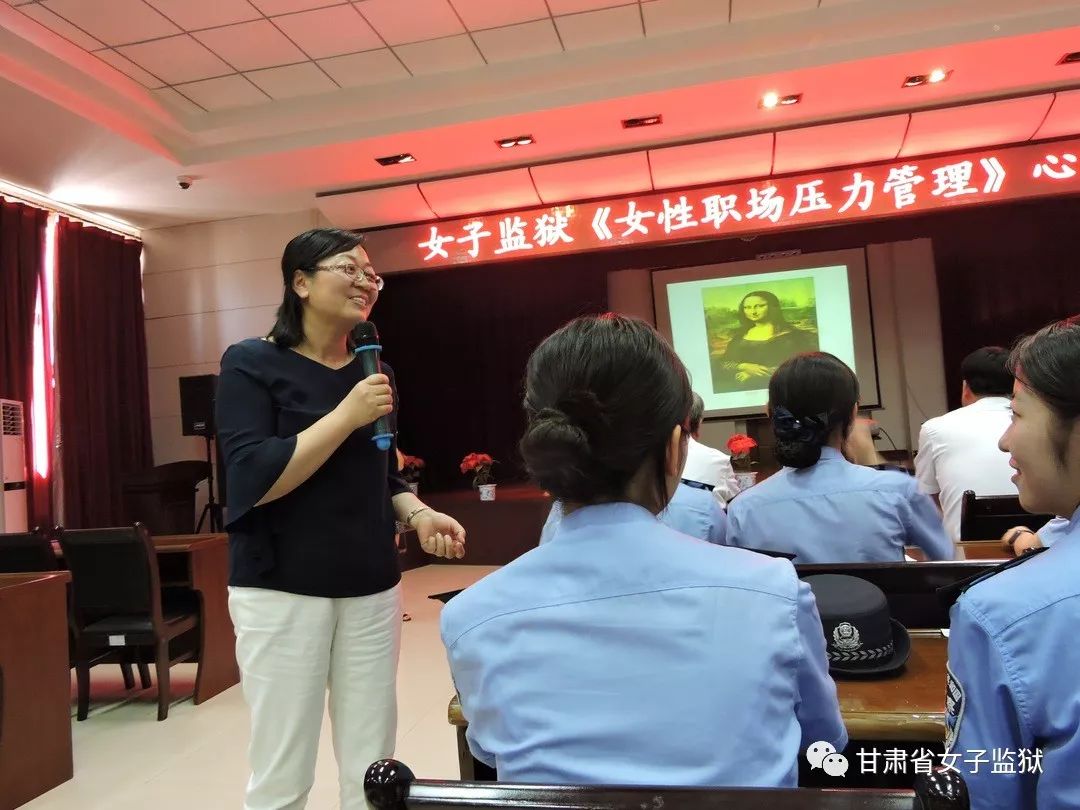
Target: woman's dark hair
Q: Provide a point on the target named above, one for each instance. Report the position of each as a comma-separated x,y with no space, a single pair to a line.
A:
810,396
776,314
1046,364
602,395
302,253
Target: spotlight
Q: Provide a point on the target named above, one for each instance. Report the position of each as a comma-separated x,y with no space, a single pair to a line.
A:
517,140
393,160
772,99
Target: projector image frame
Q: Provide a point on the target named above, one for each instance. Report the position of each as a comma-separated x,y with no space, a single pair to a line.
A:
733,323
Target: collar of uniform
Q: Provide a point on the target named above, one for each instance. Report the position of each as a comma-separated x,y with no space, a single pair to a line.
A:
1074,523
831,454
989,404
602,514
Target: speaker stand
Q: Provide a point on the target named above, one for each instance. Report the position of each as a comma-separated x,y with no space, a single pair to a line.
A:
212,508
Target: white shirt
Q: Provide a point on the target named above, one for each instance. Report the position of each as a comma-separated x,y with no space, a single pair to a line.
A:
707,465
959,451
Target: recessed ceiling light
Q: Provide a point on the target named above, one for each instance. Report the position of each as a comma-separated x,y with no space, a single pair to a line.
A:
773,99
646,121
935,76
517,140
393,160
1070,58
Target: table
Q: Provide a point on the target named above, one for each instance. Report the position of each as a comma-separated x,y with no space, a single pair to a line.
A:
906,709
499,531
201,562
984,550
35,693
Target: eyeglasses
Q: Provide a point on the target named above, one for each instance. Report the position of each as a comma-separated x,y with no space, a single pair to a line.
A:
352,272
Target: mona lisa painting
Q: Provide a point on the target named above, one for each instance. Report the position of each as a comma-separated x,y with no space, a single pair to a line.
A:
753,328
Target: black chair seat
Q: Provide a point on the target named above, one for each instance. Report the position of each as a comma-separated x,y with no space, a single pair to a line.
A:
125,625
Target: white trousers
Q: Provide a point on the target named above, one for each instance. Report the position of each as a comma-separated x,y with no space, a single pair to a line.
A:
292,648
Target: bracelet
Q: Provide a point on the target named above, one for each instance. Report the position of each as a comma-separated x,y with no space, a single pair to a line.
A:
414,513
1010,541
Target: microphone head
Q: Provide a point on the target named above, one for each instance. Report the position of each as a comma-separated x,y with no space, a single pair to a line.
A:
365,334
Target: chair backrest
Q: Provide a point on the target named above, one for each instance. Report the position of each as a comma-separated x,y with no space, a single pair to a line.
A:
27,551
990,516
390,785
910,587
113,572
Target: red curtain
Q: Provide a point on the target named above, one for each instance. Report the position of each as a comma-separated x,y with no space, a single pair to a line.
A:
460,378
101,348
22,257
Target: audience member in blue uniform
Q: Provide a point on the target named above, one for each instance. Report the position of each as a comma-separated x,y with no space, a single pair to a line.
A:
821,507
692,511
1013,656
621,650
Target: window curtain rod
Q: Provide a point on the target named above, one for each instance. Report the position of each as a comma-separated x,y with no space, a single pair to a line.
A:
16,193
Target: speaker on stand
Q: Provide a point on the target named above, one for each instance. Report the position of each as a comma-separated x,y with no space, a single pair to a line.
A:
197,400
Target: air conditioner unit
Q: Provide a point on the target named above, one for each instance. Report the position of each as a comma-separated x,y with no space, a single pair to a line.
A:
12,467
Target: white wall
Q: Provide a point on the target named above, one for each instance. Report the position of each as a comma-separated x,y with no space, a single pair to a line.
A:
907,336
205,287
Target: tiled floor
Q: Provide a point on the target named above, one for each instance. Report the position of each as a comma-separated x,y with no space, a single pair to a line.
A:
126,760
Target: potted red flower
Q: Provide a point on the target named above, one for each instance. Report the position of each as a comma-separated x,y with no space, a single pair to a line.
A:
741,446
411,468
480,464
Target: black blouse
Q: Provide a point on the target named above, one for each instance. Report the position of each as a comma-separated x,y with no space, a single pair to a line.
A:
332,536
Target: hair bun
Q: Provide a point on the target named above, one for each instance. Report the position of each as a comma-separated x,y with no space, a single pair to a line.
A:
808,429
799,439
583,408
558,456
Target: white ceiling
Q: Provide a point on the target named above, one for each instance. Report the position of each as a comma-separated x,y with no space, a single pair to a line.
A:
268,102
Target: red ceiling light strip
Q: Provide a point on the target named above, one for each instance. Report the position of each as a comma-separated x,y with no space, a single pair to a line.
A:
843,195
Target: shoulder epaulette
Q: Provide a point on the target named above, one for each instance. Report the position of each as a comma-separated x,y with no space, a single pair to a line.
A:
948,594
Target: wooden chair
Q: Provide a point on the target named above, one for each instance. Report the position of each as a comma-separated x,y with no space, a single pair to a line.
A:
390,785
117,603
27,551
988,517
33,551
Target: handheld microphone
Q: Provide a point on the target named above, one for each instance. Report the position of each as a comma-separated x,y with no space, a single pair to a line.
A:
367,349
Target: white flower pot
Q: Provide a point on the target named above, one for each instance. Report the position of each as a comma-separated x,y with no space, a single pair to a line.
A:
487,492
746,480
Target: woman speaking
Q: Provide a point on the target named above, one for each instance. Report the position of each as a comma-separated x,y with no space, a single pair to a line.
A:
313,581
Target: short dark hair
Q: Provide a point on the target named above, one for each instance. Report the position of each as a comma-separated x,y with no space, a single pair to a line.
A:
697,412
820,392
1046,364
602,395
986,372
302,253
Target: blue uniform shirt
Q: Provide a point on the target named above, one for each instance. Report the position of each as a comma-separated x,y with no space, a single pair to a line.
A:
1053,531
623,652
837,512
1014,680
691,511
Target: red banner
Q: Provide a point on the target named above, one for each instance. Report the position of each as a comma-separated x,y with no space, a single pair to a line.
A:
879,190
